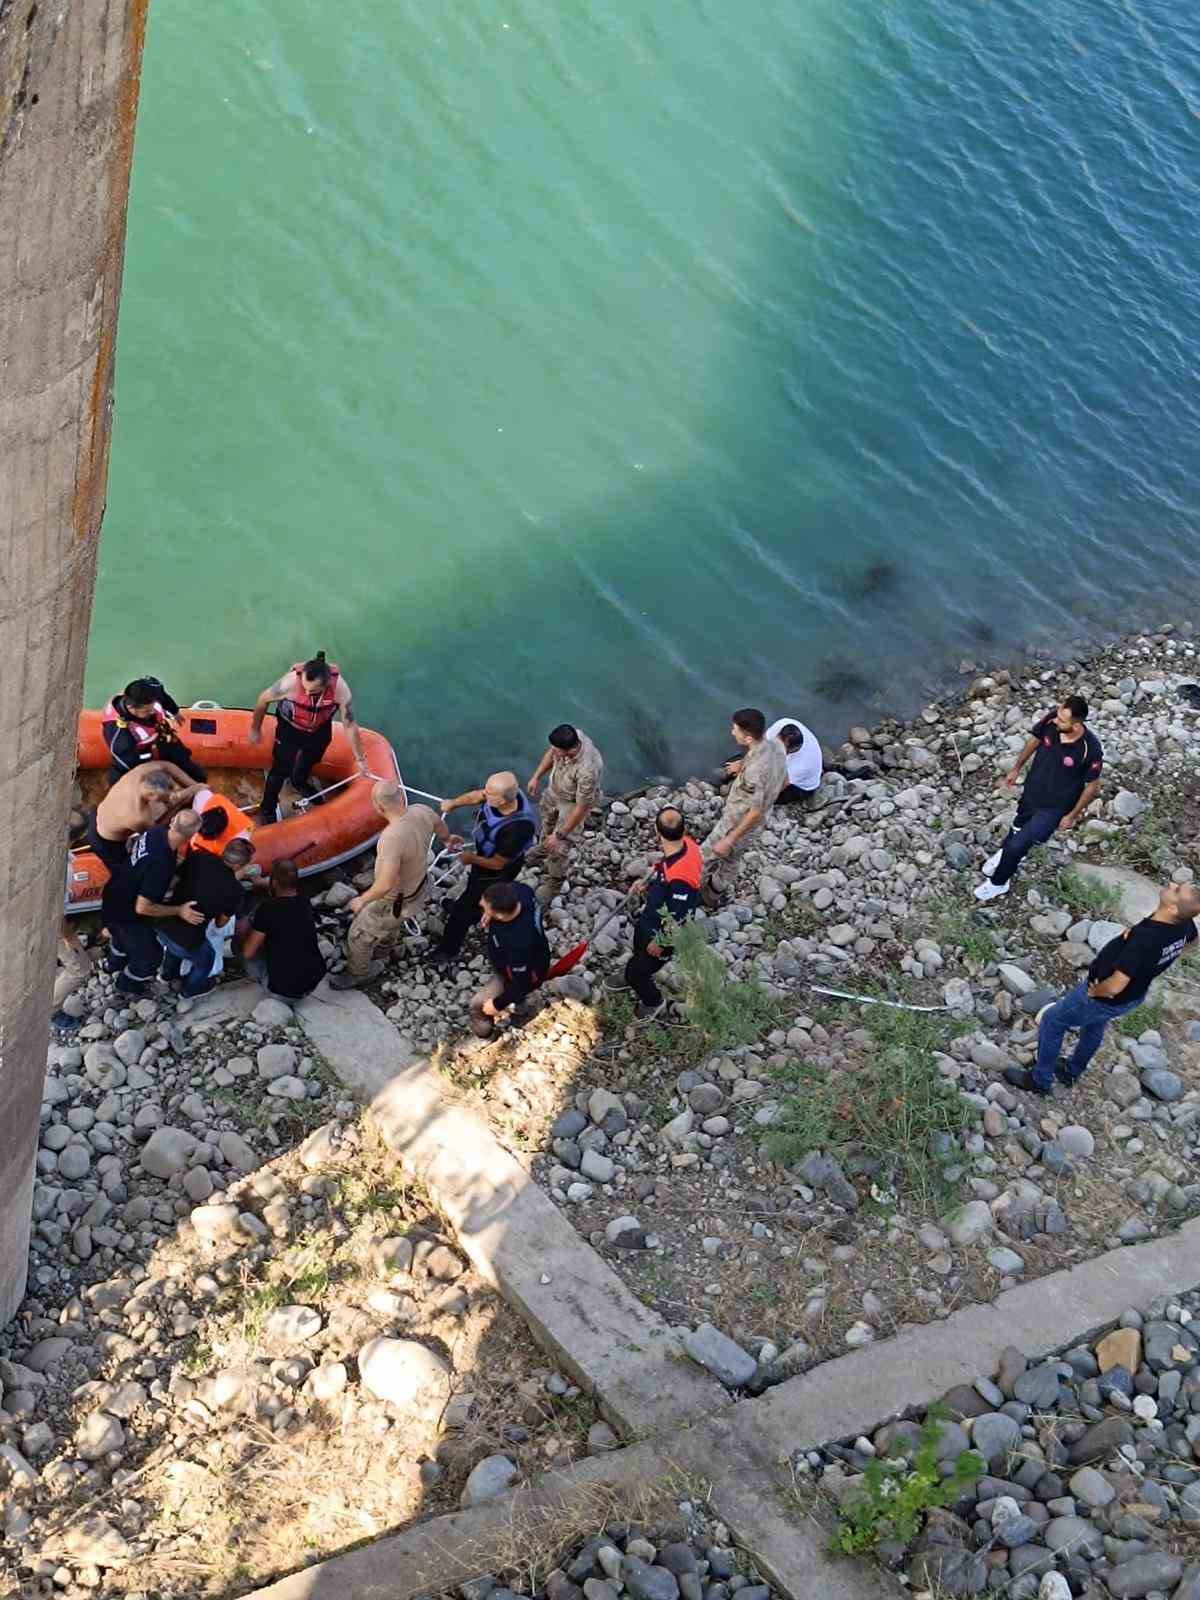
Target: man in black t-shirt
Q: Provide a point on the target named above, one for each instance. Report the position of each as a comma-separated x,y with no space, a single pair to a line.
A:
137,896
210,884
517,949
1063,781
281,949
506,825
1117,981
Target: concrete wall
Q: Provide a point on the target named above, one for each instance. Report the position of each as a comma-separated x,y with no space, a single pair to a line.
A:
69,78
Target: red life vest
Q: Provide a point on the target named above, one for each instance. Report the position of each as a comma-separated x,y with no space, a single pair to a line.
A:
308,712
143,734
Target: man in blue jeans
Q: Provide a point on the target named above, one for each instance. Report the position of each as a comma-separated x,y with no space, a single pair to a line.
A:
1117,982
1063,781
210,884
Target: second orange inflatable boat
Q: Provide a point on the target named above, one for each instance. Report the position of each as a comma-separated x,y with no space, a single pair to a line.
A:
321,837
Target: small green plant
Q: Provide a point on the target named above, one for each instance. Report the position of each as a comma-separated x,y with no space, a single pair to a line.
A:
196,1358
894,1108
897,1495
1146,846
616,1011
958,926
1148,1015
1084,896
719,1011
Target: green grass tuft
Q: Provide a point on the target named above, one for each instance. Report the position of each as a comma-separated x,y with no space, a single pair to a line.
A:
1083,896
894,1108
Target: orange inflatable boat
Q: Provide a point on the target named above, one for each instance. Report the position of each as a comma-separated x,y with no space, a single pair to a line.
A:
317,838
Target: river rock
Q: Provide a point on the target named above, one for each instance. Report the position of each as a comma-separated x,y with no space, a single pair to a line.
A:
288,1087
948,1570
1163,1085
128,1046
1073,1533
401,1371
272,1013
98,1435
1077,1141
275,1061
94,1542
487,1479
1015,979
74,1162
290,1325
994,1435
168,1151
1120,1348
1102,1439
240,1155
1144,1574
716,1352
969,1223
646,1582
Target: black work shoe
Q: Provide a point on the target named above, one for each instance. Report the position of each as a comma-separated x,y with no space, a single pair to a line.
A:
1063,1073
1022,1078
644,1013
439,958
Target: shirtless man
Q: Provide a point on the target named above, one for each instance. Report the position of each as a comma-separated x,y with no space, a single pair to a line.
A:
137,800
401,881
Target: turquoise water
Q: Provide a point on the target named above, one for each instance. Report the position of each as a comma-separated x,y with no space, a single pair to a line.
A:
625,361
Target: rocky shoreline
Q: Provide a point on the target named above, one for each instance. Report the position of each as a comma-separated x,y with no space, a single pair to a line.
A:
176,1135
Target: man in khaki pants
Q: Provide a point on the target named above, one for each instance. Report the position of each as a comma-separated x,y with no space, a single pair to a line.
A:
576,770
401,881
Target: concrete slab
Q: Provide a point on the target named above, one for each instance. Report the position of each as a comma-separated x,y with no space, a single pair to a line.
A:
858,1392
576,1306
437,1555
1139,895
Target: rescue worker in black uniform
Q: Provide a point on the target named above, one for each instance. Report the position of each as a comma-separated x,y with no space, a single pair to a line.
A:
142,725
672,889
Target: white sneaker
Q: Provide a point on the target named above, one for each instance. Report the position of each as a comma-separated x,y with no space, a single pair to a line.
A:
990,865
990,891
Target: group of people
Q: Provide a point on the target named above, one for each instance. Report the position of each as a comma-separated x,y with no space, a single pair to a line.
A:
181,884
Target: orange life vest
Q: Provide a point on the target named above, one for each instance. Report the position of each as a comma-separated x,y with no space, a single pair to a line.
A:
239,825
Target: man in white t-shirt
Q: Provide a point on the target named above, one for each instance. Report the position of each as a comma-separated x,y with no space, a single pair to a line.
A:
803,753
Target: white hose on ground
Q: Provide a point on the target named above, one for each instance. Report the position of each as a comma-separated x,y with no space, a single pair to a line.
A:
873,1000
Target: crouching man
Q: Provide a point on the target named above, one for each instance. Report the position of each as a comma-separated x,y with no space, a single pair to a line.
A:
517,949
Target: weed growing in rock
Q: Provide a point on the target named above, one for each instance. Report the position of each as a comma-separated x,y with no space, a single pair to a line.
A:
893,1110
1148,1015
719,1011
960,927
895,1496
1146,846
1084,896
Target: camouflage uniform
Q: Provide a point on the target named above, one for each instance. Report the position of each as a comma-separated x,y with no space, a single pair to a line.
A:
763,775
569,784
